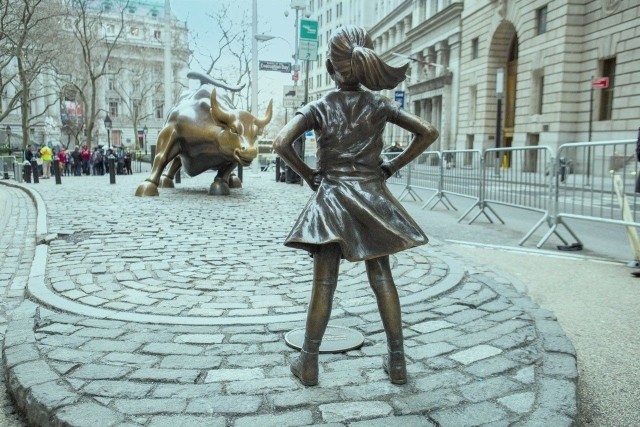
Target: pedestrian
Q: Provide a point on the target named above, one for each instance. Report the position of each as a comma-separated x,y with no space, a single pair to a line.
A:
85,155
47,155
28,154
77,161
62,160
67,164
120,160
352,214
98,160
127,163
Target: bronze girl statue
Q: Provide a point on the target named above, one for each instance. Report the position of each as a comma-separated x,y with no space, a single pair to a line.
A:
352,214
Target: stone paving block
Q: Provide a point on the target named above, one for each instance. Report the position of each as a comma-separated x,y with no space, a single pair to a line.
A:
289,419
255,360
354,410
519,402
19,354
99,332
73,355
559,365
31,373
557,395
172,348
404,421
187,390
119,389
92,371
489,388
191,362
103,345
199,338
165,375
469,415
432,326
492,366
292,399
88,415
225,405
450,378
149,406
475,353
130,359
431,350
419,403
217,375
187,421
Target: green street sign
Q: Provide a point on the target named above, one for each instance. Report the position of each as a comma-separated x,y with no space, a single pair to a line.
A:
308,29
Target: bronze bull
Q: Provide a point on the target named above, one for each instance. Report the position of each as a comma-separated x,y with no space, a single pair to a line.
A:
201,134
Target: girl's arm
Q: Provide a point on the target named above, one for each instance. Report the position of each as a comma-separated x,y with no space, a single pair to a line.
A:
424,135
283,145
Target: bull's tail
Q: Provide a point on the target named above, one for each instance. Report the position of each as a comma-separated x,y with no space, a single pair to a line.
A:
204,79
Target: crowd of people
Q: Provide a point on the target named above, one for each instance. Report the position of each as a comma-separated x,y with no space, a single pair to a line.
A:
79,161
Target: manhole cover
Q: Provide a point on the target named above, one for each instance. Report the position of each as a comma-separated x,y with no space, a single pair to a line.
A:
337,339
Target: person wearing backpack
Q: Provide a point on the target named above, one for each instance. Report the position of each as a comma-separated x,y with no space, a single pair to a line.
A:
98,161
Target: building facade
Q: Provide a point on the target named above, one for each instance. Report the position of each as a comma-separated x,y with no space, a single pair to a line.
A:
544,54
132,92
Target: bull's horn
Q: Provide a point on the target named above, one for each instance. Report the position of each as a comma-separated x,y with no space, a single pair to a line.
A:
216,111
266,119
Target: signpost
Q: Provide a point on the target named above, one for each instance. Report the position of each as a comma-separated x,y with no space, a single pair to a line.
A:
308,42
600,82
283,67
293,97
399,97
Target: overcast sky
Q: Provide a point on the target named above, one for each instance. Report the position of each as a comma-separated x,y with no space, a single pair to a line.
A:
271,20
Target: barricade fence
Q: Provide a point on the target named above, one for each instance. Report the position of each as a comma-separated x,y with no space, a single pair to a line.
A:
577,183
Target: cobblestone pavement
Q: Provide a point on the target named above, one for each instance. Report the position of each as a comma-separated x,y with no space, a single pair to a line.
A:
171,311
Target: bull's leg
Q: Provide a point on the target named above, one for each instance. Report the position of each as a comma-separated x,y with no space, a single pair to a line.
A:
220,186
167,150
166,181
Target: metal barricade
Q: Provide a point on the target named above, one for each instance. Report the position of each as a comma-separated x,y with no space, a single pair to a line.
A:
518,177
460,174
585,185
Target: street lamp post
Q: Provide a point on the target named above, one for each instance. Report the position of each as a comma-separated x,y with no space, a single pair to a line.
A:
145,129
8,129
107,125
499,95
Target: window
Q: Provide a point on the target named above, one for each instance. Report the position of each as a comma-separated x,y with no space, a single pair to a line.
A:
111,29
339,10
539,96
157,34
135,32
473,100
606,95
159,110
474,48
135,86
541,20
113,107
111,84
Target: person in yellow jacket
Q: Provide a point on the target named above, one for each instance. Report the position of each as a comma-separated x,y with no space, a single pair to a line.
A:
47,155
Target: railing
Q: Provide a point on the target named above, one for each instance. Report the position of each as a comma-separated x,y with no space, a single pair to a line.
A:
9,167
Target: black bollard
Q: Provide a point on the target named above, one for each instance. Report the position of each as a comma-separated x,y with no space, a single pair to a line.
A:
277,169
240,172
178,177
26,172
56,171
112,169
36,171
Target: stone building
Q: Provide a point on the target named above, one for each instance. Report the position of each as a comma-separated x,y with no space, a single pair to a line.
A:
133,92
548,51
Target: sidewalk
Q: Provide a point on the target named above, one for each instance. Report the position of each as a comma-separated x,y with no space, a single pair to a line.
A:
171,311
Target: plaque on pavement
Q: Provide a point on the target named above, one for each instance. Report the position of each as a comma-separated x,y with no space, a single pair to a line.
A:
337,339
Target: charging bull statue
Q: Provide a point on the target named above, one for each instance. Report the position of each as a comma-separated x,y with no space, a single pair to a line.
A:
201,134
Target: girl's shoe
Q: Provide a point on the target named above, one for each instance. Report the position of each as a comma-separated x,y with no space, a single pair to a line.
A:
305,368
396,367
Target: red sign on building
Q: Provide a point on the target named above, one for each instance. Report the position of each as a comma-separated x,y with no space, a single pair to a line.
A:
600,82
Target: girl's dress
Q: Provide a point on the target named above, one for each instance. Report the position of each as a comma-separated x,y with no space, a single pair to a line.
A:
353,206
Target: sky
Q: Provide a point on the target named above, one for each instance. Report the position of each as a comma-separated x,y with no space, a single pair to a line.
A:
271,21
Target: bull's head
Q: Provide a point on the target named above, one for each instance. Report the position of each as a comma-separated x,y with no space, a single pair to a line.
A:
240,130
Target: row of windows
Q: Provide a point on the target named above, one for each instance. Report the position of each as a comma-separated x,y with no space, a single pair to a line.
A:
134,32
114,107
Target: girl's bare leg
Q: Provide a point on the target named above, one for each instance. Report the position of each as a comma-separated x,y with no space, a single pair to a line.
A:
381,281
325,278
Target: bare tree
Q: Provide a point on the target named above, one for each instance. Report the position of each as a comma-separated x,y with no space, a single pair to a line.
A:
137,92
230,60
97,28
28,44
